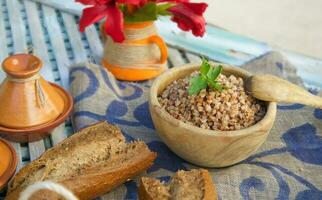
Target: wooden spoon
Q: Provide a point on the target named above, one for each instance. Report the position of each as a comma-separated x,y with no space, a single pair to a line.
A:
272,88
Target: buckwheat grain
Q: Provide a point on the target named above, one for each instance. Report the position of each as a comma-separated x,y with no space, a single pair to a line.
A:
231,109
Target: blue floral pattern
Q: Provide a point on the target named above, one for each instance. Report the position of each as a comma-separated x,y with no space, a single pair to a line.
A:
101,97
318,114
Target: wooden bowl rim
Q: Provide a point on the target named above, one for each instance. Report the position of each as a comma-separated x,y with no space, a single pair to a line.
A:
154,104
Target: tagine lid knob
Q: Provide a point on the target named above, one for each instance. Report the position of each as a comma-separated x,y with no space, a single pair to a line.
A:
22,65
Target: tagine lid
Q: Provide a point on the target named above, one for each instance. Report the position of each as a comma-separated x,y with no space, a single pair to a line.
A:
27,99
8,162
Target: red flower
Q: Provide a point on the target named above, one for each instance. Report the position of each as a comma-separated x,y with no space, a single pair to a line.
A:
189,16
106,8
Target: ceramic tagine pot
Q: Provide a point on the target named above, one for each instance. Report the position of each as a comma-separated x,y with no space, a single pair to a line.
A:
30,104
141,56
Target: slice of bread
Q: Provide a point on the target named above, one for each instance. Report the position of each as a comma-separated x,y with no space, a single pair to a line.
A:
151,188
184,185
89,163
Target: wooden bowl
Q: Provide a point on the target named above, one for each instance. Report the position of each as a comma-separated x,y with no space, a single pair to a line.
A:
203,147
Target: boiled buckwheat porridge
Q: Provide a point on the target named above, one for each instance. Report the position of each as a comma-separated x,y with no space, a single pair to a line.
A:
230,109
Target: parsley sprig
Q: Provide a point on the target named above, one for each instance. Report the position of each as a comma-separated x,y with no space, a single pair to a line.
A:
206,78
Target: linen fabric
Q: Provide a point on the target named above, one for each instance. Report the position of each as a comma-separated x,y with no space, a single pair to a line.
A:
287,166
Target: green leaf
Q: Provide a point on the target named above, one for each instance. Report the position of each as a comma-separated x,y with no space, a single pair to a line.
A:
209,73
215,85
205,67
162,9
122,7
214,73
207,78
197,84
146,13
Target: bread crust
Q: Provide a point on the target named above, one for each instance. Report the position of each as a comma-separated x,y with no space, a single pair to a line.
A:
210,189
90,186
93,181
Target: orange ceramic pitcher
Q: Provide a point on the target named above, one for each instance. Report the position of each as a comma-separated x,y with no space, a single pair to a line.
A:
141,56
26,99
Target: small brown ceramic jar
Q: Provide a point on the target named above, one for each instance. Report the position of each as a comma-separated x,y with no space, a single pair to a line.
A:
30,107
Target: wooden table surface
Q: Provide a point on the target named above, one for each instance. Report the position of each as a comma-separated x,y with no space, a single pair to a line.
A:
49,30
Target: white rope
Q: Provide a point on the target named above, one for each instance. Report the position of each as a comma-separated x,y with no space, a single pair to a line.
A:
129,55
23,80
48,185
141,33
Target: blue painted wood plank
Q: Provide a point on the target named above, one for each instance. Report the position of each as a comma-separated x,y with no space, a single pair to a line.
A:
36,149
222,48
94,43
193,57
79,51
57,42
58,134
215,37
308,68
175,57
67,5
17,26
3,43
38,40
61,58
236,42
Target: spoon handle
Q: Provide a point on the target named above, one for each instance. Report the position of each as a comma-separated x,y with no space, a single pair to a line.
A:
312,100
272,88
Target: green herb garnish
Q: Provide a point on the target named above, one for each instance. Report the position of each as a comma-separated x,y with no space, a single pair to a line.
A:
206,78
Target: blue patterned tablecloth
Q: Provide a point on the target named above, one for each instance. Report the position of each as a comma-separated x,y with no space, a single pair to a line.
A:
287,166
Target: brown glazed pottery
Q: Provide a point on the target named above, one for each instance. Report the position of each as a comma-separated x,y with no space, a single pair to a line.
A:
26,98
8,162
204,147
30,106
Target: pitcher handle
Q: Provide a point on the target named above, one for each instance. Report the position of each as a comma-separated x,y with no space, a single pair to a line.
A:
152,39
162,46
156,40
